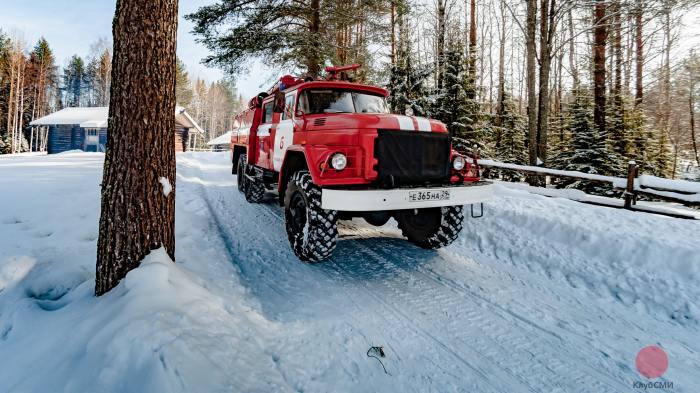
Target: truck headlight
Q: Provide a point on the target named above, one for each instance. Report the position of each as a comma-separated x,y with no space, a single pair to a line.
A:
339,161
458,163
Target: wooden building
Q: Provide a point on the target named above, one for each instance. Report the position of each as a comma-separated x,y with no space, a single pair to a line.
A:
221,143
86,129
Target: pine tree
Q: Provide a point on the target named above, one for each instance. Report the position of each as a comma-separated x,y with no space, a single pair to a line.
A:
288,33
140,149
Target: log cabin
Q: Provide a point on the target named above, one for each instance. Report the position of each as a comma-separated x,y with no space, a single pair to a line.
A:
86,129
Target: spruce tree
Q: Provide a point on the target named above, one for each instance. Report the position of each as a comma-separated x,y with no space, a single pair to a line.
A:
618,137
640,139
183,87
510,144
74,81
507,132
407,87
661,159
455,106
588,153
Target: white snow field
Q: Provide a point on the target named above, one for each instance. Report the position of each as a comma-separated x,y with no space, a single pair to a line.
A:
540,295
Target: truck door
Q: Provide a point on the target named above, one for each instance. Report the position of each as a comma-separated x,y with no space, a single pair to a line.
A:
285,132
263,135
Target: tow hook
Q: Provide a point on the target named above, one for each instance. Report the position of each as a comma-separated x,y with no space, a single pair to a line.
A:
481,210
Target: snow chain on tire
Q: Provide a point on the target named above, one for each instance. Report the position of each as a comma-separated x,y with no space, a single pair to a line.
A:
240,172
254,189
317,239
443,234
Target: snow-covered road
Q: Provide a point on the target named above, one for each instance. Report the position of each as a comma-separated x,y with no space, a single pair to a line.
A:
541,294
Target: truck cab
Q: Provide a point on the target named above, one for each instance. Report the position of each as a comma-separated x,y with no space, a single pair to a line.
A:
331,150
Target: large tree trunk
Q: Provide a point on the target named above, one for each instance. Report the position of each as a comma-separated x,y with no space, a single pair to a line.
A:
138,215
471,70
313,61
617,53
600,36
572,53
639,58
530,77
547,29
393,32
440,44
500,109
691,104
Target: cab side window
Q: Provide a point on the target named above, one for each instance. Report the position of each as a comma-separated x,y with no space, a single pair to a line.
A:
288,107
267,116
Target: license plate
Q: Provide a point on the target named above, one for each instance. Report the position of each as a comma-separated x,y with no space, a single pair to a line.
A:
427,196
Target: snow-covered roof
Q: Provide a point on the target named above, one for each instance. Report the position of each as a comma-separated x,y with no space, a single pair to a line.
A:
94,124
96,117
73,116
183,118
221,140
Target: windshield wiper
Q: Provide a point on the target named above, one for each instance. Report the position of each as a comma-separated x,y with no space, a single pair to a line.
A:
335,111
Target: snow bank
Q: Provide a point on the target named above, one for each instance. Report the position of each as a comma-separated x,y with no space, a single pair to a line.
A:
159,330
638,259
669,184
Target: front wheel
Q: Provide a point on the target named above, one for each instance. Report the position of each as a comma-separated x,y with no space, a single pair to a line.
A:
311,230
433,227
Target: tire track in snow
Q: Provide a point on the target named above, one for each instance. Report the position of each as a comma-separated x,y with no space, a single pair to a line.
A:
503,349
500,331
390,316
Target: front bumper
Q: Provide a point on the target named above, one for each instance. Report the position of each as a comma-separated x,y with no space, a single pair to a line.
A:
405,198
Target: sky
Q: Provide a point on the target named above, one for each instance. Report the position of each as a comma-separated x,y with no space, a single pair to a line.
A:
71,26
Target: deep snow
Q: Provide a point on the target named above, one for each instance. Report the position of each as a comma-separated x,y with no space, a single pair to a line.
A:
541,294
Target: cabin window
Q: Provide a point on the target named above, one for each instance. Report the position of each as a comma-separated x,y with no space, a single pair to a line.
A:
267,114
288,107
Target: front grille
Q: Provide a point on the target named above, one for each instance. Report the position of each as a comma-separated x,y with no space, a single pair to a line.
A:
412,157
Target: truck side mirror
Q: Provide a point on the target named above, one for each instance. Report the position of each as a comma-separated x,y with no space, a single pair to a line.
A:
299,113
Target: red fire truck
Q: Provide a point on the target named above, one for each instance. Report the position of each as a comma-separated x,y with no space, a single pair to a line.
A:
331,150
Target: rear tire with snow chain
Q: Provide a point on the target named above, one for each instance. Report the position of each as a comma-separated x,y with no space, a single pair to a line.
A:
254,190
433,227
240,172
312,231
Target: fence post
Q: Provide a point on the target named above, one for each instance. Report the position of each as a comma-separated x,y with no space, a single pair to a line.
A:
629,191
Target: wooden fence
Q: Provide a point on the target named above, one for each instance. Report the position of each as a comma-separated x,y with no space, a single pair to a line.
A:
632,187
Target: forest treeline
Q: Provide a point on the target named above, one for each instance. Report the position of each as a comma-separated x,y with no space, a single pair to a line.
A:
577,85
32,85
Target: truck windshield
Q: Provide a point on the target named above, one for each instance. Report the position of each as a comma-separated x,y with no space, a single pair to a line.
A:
341,101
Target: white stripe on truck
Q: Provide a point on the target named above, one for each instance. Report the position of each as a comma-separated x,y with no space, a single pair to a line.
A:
423,124
405,123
